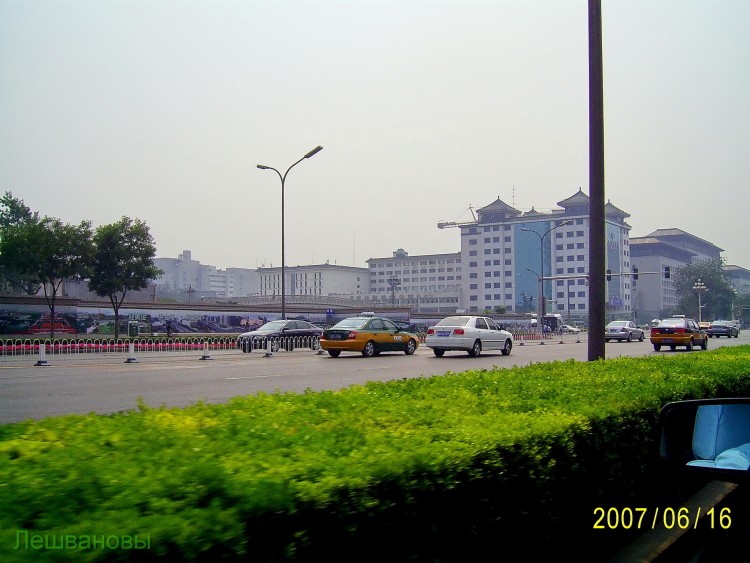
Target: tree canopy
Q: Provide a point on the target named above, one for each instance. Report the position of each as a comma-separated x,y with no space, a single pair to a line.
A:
122,260
14,214
718,297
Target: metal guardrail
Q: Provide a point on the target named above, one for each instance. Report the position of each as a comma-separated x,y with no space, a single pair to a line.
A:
272,344
46,350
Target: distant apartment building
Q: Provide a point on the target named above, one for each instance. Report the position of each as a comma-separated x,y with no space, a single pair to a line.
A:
504,251
653,294
739,278
183,275
315,280
425,282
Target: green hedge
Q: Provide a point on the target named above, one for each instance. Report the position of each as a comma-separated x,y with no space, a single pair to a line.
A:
441,468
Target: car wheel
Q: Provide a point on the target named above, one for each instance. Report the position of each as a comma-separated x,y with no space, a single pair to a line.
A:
246,347
476,349
274,345
369,350
642,337
334,353
689,346
315,344
411,347
704,344
439,353
630,337
507,347
657,347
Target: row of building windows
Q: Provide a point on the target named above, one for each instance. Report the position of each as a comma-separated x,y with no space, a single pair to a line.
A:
415,263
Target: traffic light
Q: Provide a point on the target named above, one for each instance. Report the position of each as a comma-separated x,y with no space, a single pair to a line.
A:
609,276
667,273
635,273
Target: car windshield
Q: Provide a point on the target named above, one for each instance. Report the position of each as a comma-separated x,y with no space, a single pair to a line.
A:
719,323
454,321
672,322
617,323
273,325
352,323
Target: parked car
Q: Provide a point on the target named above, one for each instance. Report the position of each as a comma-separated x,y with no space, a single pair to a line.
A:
678,331
623,330
569,329
286,334
368,335
470,334
722,328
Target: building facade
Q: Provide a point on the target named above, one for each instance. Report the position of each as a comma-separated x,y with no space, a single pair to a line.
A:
505,251
316,280
184,275
654,295
426,282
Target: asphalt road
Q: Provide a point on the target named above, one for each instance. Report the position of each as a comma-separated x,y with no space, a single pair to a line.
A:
106,384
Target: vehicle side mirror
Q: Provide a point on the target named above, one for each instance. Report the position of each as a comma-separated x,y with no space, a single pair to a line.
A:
707,436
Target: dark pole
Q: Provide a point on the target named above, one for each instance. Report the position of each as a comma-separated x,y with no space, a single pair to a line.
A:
597,234
283,258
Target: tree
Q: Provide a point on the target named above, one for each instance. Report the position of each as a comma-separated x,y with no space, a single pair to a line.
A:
49,251
13,215
123,259
716,300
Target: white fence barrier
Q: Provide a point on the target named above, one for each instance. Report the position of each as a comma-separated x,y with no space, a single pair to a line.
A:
47,350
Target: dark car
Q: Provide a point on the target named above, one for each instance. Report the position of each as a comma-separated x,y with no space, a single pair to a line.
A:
286,334
722,328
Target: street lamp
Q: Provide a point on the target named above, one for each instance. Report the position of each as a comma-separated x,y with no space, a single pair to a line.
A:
283,261
541,299
700,287
393,282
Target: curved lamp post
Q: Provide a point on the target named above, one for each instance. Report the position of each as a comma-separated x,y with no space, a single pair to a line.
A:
700,287
541,300
283,261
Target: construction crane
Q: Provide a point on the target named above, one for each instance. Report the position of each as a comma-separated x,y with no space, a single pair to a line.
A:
447,224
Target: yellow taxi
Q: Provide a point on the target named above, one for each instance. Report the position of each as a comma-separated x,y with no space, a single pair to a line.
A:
368,335
678,331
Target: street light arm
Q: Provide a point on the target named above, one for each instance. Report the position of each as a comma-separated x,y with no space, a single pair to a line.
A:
313,152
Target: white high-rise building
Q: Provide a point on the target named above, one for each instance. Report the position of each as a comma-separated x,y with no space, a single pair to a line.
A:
504,251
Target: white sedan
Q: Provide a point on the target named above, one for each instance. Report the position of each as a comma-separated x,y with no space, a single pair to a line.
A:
470,334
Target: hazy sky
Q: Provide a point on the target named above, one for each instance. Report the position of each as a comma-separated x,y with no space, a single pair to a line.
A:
160,110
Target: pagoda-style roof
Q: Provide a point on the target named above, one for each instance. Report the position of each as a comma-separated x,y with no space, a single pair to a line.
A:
532,213
578,199
676,234
495,211
611,210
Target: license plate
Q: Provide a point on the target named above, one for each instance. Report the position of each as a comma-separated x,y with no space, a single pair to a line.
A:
444,333
335,336
667,340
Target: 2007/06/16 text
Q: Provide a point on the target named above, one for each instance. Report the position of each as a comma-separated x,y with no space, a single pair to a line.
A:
639,518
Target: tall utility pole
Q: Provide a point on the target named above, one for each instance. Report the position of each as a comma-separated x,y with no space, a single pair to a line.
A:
597,234
283,259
